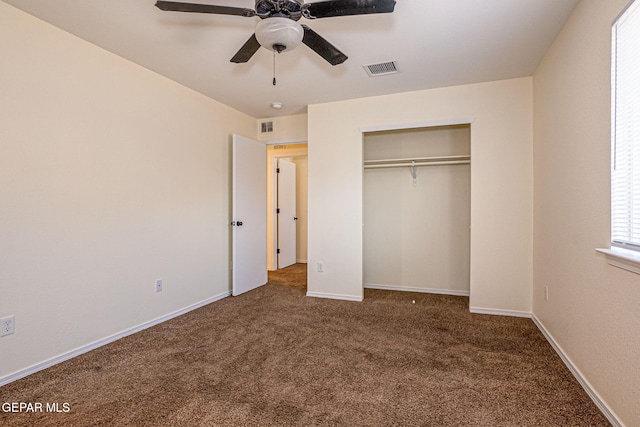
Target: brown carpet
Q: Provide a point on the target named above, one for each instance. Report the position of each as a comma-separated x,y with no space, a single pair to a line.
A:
275,357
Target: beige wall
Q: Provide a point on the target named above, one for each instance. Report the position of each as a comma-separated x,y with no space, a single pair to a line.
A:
501,186
416,237
286,129
302,204
110,177
593,311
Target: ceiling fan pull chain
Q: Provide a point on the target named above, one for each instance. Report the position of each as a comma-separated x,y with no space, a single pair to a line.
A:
274,67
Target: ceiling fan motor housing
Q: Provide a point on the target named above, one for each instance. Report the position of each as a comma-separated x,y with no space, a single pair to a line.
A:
291,9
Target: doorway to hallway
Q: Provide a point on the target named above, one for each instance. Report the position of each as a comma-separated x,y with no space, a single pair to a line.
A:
287,230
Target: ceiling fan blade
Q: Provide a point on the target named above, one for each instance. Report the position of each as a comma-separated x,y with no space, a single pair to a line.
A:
247,50
203,8
329,8
322,47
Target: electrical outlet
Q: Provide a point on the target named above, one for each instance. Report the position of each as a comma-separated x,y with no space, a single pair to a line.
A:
7,325
159,285
320,267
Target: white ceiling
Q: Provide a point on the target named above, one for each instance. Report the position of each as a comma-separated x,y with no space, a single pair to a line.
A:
436,43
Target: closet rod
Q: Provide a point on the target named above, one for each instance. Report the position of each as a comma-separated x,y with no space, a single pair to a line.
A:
398,165
418,159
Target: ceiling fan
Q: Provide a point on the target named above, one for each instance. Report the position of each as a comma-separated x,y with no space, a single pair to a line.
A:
279,30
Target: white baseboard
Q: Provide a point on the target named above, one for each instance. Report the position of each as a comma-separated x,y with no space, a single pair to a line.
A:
595,397
421,290
107,340
334,296
496,312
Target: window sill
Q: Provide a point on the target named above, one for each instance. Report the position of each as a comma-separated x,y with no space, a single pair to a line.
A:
622,258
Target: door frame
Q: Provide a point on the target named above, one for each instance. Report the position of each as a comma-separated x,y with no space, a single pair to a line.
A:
274,192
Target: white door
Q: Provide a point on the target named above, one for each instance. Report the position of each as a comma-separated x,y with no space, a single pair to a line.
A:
286,213
249,215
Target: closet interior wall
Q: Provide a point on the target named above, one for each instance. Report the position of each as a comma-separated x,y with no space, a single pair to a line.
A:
416,219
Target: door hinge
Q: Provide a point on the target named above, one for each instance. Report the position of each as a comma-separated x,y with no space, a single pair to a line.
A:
277,251
277,170
278,210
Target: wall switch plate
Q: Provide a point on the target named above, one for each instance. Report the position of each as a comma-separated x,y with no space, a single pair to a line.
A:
320,267
159,285
7,326
546,293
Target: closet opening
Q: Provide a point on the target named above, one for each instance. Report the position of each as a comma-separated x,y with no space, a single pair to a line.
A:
417,209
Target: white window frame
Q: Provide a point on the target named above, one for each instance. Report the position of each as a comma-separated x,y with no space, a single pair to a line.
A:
625,143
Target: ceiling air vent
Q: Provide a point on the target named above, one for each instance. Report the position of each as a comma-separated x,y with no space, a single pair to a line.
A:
266,127
381,68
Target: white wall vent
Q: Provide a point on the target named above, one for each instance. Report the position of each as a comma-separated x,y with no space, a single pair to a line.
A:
266,127
381,68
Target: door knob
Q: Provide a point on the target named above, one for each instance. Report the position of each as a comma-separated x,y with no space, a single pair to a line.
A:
239,223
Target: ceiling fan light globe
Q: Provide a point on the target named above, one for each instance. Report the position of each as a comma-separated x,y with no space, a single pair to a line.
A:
278,31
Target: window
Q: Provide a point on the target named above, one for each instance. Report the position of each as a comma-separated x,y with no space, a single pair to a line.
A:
625,141
625,150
